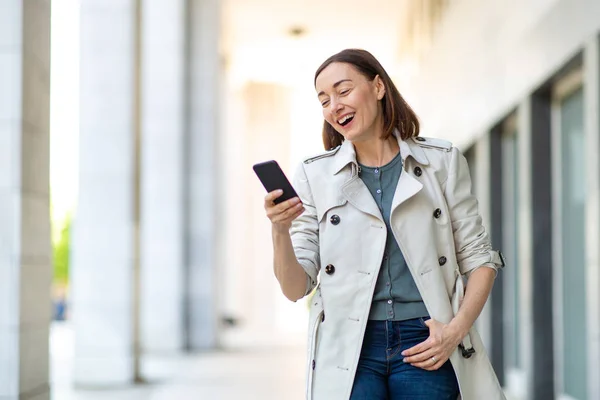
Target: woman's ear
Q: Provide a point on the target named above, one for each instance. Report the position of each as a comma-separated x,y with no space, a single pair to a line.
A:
379,87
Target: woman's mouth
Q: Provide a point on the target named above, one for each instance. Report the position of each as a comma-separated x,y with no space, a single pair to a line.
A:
346,119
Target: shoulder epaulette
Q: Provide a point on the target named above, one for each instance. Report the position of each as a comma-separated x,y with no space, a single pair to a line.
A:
433,143
319,156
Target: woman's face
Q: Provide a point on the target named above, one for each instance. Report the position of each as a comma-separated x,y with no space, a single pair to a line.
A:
351,103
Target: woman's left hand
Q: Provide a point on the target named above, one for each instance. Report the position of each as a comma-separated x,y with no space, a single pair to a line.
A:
431,354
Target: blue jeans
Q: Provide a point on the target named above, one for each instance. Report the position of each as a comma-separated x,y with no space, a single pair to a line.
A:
382,375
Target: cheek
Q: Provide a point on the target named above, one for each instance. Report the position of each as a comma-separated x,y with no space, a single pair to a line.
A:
327,116
371,108
362,102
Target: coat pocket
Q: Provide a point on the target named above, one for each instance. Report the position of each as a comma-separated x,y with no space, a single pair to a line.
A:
316,317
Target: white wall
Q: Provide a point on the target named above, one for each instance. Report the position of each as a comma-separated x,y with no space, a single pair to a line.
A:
487,56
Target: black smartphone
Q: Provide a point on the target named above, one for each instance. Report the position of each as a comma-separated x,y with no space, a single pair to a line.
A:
272,177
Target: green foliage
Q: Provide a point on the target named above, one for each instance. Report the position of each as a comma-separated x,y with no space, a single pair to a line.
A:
61,254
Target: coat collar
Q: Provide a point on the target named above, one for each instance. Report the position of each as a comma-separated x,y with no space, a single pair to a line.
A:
347,154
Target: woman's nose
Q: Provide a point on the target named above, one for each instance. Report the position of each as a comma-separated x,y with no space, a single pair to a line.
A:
336,106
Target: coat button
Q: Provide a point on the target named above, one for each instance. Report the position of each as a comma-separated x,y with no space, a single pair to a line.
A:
329,269
420,139
442,260
437,213
313,364
335,219
323,317
418,171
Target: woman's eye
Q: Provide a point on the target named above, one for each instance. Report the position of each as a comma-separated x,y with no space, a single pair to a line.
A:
345,92
324,104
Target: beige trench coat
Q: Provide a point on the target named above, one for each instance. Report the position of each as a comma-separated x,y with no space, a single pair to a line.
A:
345,258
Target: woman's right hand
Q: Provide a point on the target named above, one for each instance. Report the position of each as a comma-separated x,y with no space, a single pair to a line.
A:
282,214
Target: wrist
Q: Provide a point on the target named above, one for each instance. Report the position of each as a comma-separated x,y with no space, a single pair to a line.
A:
278,229
458,329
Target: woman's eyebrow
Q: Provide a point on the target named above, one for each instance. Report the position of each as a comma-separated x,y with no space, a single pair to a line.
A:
338,83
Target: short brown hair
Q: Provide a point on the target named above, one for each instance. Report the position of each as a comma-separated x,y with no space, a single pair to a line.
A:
396,112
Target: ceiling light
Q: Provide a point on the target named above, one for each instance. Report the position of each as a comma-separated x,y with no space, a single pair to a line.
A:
297,31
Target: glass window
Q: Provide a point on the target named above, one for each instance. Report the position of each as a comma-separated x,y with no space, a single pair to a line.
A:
574,354
510,249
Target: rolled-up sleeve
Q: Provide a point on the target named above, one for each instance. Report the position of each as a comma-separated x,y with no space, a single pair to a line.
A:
472,243
305,231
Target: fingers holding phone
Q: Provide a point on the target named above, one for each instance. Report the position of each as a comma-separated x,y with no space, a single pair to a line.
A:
282,214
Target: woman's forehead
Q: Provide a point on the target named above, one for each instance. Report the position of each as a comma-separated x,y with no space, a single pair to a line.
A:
335,73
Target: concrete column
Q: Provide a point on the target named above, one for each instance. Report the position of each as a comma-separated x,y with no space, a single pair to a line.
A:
483,194
204,214
591,90
25,249
524,389
103,252
162,178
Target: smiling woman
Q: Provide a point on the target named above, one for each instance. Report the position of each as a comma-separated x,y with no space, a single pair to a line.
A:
383,230
354,76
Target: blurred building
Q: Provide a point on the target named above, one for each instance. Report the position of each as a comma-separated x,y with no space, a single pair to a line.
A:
170,247
516,85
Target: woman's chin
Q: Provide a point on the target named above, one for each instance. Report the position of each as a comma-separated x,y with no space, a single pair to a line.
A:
354,136
349,133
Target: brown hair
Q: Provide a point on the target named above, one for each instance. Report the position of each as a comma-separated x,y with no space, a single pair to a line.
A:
396,112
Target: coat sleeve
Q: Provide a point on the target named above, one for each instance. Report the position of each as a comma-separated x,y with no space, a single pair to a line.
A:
471,241
305,231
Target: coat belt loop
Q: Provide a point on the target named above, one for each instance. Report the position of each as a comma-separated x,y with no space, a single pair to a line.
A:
465,346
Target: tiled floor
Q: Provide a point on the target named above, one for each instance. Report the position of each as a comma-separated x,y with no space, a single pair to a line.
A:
269,374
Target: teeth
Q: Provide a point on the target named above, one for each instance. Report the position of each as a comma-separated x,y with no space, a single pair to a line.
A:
345,118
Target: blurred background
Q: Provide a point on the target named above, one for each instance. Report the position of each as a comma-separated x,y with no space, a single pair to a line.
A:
136,123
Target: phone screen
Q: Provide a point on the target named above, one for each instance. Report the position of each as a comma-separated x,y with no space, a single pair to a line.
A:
272,177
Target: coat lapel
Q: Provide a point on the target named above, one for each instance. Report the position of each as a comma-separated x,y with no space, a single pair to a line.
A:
407,187
357,193
353,188
359,196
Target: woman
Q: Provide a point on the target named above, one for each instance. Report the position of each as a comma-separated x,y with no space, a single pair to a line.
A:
386,224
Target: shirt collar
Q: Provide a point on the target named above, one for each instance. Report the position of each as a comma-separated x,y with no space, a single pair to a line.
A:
347,154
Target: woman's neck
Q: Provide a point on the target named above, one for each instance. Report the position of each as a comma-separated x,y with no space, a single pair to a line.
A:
376,152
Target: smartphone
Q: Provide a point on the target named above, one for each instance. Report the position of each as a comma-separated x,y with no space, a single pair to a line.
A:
272,178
